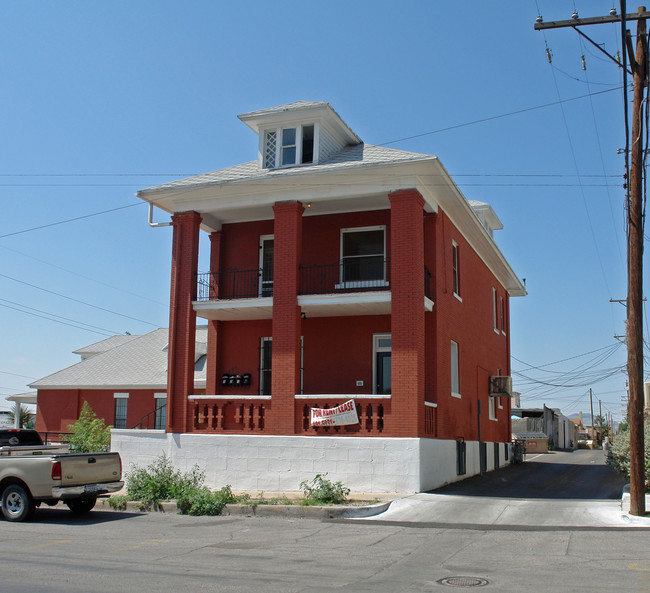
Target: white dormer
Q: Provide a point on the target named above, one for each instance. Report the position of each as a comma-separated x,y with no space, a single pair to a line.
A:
302,133
487,216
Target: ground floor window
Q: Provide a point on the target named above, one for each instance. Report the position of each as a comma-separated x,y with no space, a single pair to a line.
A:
121,403
496,456
461,457
265,365
160,413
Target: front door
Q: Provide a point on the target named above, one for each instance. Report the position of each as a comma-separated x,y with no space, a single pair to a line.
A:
383,373
382,350
266,266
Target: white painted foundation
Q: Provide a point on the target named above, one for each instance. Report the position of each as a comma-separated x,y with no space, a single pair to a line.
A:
280,463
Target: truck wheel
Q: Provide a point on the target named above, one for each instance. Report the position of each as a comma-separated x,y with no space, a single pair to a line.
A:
81,506
17,503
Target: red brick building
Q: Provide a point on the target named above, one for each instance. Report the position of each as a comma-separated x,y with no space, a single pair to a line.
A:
338,271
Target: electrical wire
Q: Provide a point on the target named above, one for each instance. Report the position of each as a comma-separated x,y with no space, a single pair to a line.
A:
78,301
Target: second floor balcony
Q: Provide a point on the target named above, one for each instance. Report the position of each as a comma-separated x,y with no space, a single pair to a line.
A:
344,288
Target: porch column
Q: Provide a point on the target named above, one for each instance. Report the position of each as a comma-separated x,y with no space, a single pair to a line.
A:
182,318
212,382
285,361
407,312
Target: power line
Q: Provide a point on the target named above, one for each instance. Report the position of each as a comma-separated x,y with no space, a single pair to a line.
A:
75,321
491,118
44,226
78,301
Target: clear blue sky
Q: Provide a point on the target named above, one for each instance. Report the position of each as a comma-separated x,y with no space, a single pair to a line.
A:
102,99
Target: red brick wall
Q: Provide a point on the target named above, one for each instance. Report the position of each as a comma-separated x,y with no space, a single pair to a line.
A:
482,352
239,343
57,408
338,353
285,376
407,313
182,318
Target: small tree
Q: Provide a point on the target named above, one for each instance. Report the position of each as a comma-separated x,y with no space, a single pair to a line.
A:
25,417
89,434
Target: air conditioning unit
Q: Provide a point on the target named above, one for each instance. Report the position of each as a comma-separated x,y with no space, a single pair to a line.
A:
500,386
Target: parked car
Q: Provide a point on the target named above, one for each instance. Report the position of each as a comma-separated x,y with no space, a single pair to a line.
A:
32,474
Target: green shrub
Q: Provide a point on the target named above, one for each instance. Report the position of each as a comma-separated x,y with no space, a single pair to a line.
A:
618,454
118,503
161,481
202,501
89,434
322,491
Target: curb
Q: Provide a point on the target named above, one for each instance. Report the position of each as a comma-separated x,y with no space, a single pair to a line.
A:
293,511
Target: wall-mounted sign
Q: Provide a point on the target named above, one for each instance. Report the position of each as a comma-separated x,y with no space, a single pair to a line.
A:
341,415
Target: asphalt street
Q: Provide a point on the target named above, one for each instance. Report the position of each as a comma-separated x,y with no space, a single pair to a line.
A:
125,552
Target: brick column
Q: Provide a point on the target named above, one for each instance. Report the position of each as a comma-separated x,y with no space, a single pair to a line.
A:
212,380
407,312
285,362
182,318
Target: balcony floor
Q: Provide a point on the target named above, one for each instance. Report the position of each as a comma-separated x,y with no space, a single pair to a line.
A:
317,305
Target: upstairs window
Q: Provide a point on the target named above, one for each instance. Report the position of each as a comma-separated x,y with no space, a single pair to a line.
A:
455,268
284,147
363,255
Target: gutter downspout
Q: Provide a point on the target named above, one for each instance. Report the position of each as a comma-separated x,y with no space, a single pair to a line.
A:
153,224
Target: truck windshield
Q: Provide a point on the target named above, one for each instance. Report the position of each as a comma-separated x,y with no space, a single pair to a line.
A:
18,437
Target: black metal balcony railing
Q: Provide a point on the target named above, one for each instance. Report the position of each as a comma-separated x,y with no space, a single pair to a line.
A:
358,275
346,276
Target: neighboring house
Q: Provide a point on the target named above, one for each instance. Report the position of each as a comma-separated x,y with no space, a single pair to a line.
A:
123,378
547,426
6,420
338,271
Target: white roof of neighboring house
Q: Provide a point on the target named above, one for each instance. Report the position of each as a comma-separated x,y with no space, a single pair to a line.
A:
23,398
104,345
138,363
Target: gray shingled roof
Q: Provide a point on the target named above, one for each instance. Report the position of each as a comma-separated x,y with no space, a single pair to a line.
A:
359,155
288,107
104,345
137,363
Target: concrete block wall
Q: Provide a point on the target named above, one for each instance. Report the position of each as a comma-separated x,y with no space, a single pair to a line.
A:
279,463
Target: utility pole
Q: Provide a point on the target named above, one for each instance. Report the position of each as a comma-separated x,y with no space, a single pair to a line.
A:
591,404
634,331
635,278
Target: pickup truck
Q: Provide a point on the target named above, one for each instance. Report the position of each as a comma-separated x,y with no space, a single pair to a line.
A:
32,474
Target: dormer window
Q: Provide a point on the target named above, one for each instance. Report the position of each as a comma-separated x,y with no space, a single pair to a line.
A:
284,147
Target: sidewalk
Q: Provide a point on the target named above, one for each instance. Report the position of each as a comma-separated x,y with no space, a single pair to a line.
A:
442,510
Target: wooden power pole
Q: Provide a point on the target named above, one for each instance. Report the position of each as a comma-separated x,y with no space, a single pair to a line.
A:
635,276
639,64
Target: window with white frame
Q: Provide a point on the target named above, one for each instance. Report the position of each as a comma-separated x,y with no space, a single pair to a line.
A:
502,307
492,413
455,267
160,413
495,316
265,365
363,257
455,370
284,147
121,405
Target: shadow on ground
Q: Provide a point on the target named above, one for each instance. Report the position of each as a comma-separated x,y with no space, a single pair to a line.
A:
558,476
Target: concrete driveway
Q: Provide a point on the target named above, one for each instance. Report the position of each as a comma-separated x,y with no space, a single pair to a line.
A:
556,490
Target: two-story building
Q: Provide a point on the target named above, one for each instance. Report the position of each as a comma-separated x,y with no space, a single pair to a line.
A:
338,271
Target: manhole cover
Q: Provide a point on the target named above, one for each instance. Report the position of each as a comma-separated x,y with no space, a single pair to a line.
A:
463,582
